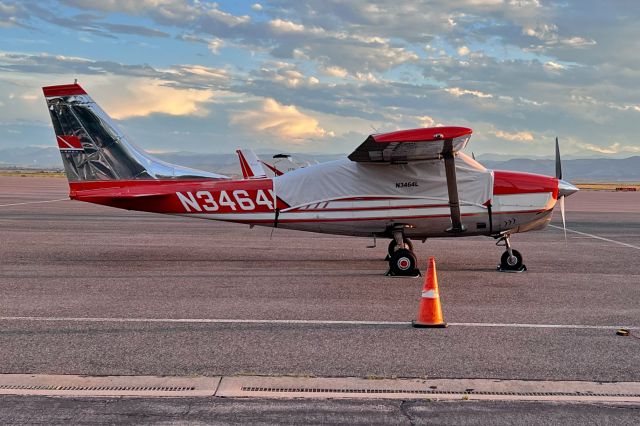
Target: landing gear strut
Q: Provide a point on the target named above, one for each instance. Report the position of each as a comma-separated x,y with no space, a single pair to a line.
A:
511,259
393,246
402,260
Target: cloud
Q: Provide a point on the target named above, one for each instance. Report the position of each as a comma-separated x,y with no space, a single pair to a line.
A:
134,30
284,73
169,12
458,92
426,121
548,34
284,121
13,15
215,45
463,51
142,97
185,76
125,6
334,71
615,148
279,25
553,66
124,91
284,38
515,136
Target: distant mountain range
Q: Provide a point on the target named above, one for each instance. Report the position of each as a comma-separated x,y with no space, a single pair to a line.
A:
577,170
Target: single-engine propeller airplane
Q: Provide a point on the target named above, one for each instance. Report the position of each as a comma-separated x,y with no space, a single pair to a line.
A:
404,185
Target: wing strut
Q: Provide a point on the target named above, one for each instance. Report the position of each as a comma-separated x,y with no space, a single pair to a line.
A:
452,187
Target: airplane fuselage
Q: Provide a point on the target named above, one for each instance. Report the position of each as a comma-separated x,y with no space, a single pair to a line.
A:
520,202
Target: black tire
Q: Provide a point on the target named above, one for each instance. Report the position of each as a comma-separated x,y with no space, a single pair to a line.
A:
403,262
392,246
511,263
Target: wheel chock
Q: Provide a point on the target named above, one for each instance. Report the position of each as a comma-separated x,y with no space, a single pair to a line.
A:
513,271
409,274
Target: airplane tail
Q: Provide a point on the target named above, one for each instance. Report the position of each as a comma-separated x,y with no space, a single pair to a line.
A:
94,149
250,164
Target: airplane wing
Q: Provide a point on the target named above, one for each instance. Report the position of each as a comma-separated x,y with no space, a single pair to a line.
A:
430,143
412,145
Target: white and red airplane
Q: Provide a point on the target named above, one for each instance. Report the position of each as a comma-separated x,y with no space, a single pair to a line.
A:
404,185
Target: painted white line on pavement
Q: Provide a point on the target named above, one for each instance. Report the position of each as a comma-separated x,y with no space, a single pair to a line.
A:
34,202
202,320
311,322
597,237
515,325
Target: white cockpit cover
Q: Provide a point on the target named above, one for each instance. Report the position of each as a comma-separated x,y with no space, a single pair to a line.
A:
344,178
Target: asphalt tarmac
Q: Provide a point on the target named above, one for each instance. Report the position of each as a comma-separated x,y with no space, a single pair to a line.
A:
67,259
92,411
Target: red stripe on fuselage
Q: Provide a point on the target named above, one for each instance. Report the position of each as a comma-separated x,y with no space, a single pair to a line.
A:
355,209
510,183
161,196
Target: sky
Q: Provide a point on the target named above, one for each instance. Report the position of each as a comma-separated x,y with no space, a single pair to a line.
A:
319,76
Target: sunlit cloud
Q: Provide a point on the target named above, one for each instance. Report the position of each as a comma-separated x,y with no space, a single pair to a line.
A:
284,121
463,51
615,148
457,92
143,97
553,66
514,136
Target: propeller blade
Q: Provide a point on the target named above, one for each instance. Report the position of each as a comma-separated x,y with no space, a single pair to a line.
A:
472,155
558,162
559,176
564,222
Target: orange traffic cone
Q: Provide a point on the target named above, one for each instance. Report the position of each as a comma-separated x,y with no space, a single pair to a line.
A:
430,311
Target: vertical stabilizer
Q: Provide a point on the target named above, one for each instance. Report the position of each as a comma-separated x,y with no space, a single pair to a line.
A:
250,165
93,148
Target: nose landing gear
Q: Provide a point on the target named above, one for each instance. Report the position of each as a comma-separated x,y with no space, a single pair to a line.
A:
402,260
511,259
393,246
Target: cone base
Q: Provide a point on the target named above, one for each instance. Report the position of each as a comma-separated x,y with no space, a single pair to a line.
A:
417,324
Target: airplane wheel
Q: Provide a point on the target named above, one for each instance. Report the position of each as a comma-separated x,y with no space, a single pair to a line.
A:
392,246
403,262
511,263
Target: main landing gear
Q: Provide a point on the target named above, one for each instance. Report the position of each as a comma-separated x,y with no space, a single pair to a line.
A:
511,260
402,260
